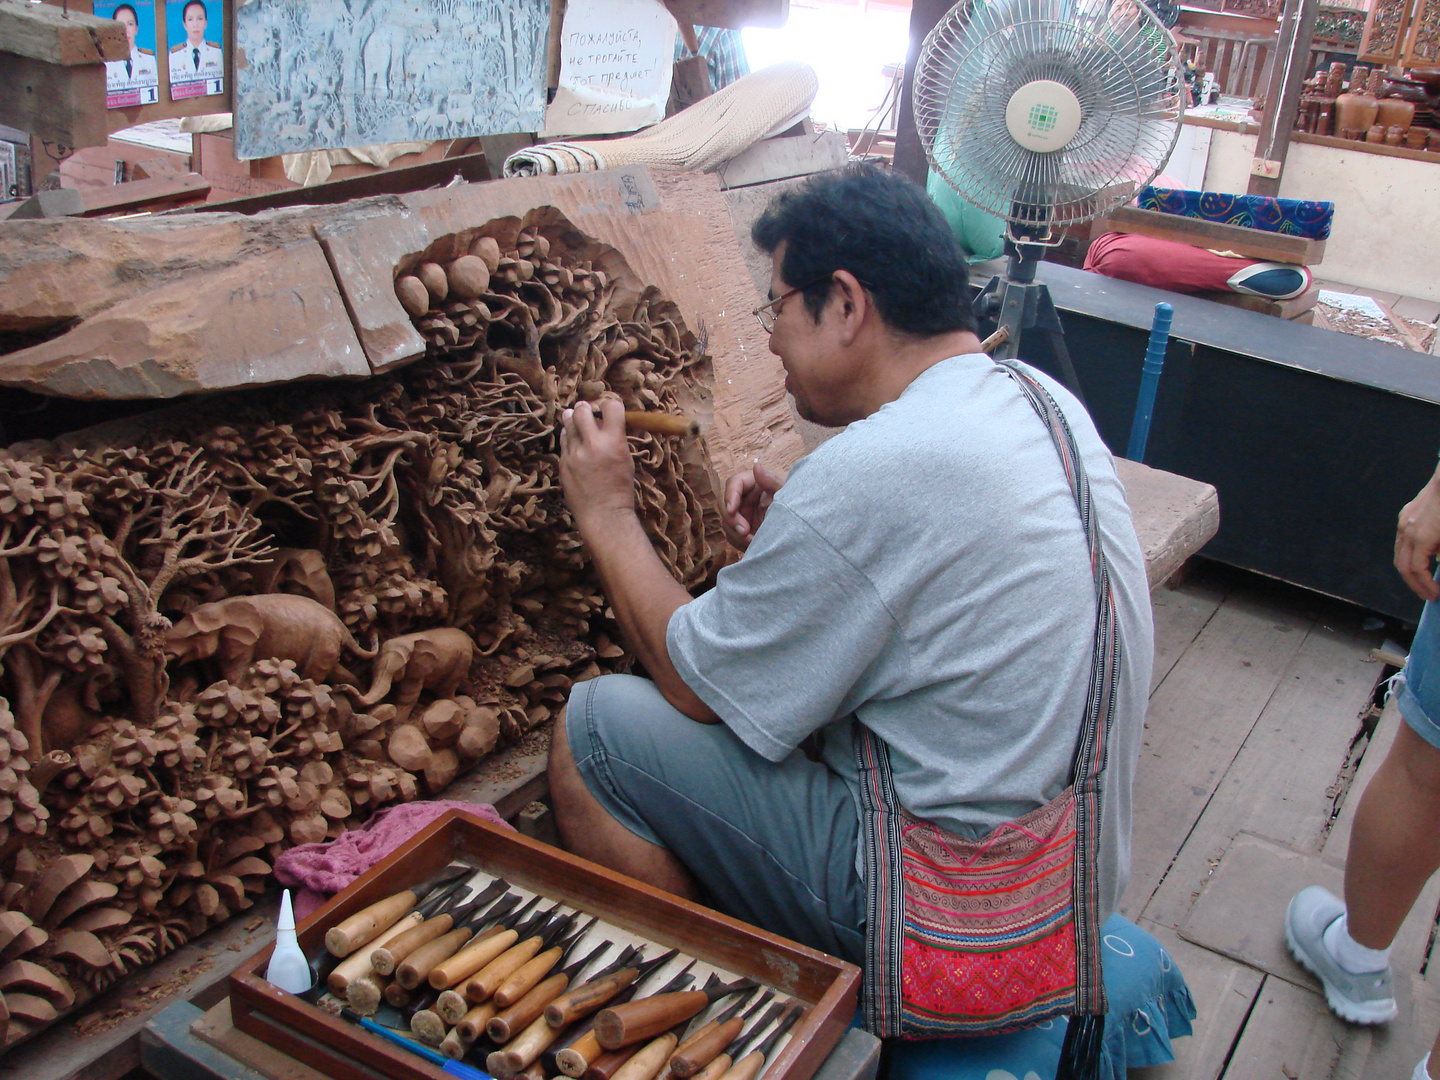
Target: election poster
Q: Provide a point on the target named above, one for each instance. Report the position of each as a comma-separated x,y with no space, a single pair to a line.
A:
195,30
136,79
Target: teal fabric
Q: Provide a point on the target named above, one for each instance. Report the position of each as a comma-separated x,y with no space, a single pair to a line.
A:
982,235
1150,1005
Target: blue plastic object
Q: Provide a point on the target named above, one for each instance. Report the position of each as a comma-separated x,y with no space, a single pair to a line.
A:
454,1068
1149,381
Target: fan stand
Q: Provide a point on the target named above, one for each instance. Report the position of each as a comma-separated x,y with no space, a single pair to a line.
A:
1019,303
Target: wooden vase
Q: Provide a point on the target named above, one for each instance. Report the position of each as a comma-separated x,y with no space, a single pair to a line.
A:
1376,134
1356,111
1395,112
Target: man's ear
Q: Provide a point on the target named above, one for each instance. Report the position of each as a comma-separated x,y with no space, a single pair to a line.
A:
854,301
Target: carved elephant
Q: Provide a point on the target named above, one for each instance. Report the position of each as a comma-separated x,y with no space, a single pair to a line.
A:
434,660
239,630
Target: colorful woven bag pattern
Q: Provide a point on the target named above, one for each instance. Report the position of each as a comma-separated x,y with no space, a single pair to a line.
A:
1294,217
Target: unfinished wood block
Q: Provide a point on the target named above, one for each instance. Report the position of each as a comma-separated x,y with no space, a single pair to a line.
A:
44,32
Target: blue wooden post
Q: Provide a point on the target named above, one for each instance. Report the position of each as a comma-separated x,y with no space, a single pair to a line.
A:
1150,381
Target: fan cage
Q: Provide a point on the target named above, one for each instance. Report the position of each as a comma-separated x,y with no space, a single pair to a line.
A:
1115,55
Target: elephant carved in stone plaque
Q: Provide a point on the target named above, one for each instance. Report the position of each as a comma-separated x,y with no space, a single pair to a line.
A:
434,660
239,630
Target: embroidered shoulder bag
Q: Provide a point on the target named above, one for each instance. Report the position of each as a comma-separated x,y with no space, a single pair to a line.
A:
979,937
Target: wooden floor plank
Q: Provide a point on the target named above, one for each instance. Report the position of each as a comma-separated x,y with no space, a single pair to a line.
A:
1291,1035
1281,783
1198,720
1224,993
1180,614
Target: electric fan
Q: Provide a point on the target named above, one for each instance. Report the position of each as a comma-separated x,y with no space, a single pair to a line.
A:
1046,113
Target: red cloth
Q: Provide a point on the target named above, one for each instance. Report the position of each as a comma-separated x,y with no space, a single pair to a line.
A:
321,870
1162,264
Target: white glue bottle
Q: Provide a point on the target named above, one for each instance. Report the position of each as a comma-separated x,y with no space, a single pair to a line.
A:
288,970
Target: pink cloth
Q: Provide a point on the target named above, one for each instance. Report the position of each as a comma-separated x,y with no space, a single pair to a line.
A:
321,870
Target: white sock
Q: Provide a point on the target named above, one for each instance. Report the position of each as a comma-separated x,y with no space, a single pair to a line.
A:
1422,1071
1349,953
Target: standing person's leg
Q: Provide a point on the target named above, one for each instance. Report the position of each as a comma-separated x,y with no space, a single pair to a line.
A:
643,789
1394,849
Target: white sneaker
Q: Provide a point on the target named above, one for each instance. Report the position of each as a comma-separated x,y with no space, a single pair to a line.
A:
1361,999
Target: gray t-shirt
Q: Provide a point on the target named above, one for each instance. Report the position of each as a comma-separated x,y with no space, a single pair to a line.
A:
925,570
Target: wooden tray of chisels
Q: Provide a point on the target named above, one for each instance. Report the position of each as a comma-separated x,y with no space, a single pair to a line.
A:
492,952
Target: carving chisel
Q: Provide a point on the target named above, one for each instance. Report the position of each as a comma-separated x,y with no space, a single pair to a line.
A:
584,1052
592,995
364,926
526,1047
722,1062
706,1044
420,964
486,981
475,952
647,1017
750,1065
505,1023
529,974
387,957
358,963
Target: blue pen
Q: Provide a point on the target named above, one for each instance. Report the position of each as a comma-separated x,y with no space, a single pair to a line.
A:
454,1068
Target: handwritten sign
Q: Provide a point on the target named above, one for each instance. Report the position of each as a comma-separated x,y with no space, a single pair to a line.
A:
616,58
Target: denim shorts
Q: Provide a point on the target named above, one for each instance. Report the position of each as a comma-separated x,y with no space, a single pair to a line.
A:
1417,688
772,844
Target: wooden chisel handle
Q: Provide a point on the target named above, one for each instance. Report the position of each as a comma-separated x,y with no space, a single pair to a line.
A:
646,1064
358,963
704,1047
486,981
747,1068
609,1062
579,1055
397,995
365,993
386,958
417,965
523,1050
661,423
588,997
454,1045
451,1006
526,977
365,926
472,1025
427,1026
647,1017
525,1011
534,1072
474,956
716,1069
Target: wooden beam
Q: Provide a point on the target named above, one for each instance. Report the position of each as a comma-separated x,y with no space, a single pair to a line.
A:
1290,66
156,194
45,33
909,154
64,105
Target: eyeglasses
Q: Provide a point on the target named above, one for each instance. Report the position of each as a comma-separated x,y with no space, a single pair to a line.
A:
769,311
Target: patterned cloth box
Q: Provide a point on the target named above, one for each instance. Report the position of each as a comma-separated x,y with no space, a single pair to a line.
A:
1295,217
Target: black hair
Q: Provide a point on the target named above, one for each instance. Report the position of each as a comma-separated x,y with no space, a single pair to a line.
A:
126,7
883,228
194,3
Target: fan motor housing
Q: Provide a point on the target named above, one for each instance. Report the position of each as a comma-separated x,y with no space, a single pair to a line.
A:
1043,115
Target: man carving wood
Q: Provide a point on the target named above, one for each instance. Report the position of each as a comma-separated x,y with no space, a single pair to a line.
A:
924,573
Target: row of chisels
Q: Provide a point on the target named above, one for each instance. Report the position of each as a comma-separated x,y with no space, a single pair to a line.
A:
507,981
